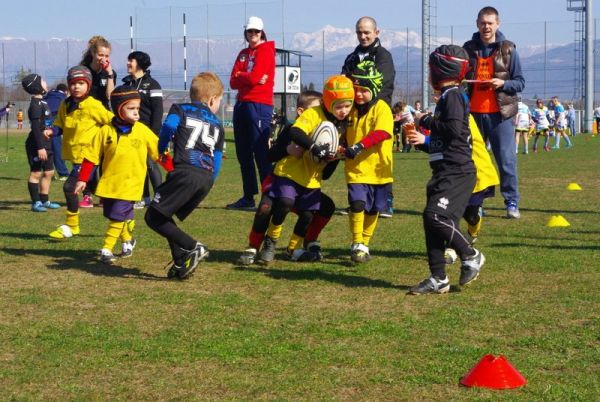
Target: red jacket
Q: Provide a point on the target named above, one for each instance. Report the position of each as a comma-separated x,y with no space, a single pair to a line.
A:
249,67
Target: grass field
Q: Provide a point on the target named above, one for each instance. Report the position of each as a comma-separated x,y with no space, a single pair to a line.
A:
74,329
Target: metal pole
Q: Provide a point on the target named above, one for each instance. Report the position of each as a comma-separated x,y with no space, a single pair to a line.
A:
589,66
207,43
34,57
545,57
407,75
323,64
282,24
171,37
184,55
425,53
131,32
68,55
452,34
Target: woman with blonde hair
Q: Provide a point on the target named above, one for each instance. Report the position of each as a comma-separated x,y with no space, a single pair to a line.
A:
97,59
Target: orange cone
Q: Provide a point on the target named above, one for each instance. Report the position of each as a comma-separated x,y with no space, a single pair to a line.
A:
495,373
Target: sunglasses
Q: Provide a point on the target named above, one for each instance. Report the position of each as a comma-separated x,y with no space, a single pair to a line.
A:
252,31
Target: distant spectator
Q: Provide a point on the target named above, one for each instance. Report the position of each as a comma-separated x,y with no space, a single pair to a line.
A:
20,116
597,117
97,59
54,99
4,111
571,119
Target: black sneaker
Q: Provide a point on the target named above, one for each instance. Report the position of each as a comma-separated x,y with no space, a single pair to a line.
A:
127,248
469,269
191,260
315,248
303,255
431,285
267,252
242,203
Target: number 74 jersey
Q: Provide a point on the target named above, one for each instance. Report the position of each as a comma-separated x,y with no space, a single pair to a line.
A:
196,134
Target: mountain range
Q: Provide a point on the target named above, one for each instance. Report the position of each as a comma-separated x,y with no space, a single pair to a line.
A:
546,74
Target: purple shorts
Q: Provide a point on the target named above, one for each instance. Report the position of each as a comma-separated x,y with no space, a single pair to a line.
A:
305,199
375,196
478,197
117,210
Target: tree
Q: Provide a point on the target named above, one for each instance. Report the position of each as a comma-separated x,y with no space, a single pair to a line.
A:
22,73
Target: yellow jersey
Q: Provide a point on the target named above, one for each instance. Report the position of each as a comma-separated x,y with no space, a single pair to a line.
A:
373,165
487,175
80,126
123,158
304,170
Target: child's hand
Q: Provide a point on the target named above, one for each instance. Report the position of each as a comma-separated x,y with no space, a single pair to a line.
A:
414,137
79,187
294,150
48,133
42,154
263,79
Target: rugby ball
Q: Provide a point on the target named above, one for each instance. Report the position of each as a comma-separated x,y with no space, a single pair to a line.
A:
325,133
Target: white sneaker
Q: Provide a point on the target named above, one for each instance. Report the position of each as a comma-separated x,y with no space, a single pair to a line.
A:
248,257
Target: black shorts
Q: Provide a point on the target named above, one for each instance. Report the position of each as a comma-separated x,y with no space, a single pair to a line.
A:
35,164
181,193
448,192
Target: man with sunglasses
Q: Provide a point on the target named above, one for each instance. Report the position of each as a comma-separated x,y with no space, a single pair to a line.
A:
253,77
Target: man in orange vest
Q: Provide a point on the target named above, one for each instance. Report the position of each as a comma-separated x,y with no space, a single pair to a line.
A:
495,80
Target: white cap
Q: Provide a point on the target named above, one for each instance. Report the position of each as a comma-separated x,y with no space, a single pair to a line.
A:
254,23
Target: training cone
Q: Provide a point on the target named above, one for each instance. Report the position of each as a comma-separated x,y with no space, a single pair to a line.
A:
574,187
557,221
495,373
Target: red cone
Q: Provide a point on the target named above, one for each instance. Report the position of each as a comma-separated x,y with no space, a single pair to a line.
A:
493,372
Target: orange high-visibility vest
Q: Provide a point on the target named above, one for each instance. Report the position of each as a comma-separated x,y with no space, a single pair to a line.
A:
483,97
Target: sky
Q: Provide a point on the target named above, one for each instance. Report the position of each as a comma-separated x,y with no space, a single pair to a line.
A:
521,20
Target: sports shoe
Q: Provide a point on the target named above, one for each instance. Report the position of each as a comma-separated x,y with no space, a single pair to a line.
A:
51,205
248,257
63,178
139,205
64,232
512,211
191,260
107,257
556,147
534,150
242,203
315,248
303,255
387,214
344,211
38,206
267,251
127,248
547,149
469,269
86,202
359,253
450,256
431,285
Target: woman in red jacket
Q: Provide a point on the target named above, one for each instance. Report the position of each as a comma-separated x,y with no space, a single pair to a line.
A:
253,76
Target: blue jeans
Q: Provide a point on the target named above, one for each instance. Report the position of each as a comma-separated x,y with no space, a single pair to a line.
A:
251,131
501,136
59,163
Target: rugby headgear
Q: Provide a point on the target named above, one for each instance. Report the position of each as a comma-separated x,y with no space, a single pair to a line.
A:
119,98
337,88
80,73
448,63
366,75
32,84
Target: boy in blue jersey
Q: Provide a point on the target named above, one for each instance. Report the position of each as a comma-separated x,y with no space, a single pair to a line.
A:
197,136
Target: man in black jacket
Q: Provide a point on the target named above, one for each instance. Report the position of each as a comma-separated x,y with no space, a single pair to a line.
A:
151,110
370,48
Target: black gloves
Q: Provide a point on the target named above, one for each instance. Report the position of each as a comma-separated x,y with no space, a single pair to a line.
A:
354,150
321,152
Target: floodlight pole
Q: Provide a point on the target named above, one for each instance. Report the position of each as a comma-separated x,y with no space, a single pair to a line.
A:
589,67
425,52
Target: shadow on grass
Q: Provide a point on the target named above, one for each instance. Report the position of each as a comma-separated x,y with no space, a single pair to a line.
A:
7,205
38,236
561,246
83,260
350,281
12,178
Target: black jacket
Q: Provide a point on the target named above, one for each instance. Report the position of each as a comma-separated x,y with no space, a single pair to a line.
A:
151,108
384,62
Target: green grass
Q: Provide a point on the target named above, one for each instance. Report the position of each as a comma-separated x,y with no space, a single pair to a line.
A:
74,329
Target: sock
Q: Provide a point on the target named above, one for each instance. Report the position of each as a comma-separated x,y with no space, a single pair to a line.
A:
126,233
568,140
112,234
546,139
274,231
357,220
43,198
34,191
296,242
557,142
369,227
316,227
255,239
73,221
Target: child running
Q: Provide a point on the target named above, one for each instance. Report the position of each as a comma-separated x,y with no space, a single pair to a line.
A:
38,145
368,164
79,119
540,118
122,148
297,181
197,136
522,125
561,124
454,175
